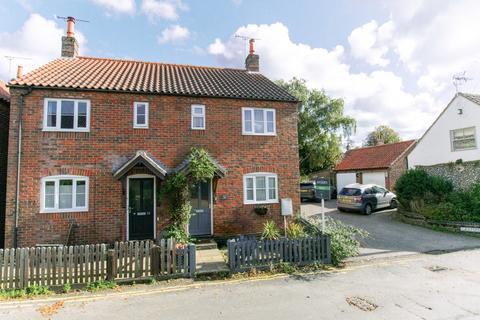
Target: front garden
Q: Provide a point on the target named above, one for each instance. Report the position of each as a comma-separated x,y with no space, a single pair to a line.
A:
435,198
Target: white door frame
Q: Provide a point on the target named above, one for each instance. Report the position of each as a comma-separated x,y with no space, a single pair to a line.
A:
140,176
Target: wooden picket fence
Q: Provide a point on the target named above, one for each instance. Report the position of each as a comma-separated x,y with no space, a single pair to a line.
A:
244,254
55,266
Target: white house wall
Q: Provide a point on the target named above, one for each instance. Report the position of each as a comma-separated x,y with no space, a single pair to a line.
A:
435,145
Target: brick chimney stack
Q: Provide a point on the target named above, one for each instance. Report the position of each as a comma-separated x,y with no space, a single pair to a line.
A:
252,62
19,72
69,43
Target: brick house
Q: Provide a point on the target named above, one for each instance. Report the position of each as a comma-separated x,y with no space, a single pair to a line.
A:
98,137
381,165
4,120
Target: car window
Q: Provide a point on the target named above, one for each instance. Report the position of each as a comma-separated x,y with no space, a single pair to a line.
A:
350,192
377,189
368,191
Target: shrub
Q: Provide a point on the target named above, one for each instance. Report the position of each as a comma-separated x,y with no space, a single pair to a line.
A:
67,287
295,231
100,285
417,185
270,231
286,267
343,241
177,233
31,291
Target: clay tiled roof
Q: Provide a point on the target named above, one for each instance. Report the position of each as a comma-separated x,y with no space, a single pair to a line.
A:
150,77
378,157
472,97
4,93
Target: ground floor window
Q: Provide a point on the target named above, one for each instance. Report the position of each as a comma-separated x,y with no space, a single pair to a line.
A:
260,188
64,194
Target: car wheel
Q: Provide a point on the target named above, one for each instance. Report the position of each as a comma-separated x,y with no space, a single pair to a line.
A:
368,209
341,210
393,204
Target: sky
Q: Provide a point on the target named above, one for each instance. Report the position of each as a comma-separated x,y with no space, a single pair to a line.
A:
391,61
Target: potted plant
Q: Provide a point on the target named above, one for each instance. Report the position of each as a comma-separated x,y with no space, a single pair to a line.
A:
261,210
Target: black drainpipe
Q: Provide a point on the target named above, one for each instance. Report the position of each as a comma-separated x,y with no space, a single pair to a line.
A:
19,158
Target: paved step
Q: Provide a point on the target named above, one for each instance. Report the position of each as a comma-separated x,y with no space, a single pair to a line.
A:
210,261
206,244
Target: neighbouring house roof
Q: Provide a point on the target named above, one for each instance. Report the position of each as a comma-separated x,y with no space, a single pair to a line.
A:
220,171
378,157
101,74
144,158
4,92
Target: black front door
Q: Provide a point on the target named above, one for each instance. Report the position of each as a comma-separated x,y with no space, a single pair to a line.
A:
201,218
141,201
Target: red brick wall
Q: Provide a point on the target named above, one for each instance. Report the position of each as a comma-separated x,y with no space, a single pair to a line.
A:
396,170
4,119
169,138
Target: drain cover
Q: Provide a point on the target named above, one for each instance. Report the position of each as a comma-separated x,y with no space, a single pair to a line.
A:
437,268
361,303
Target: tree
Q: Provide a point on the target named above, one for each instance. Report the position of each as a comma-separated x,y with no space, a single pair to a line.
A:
320,123
382,135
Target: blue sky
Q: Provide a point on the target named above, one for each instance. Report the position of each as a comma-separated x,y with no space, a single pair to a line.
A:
391,61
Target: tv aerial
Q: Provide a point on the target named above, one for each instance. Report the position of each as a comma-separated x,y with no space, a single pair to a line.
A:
245,39
11,59
459,79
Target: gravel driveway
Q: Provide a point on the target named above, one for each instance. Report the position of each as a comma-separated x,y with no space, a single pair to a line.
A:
389,236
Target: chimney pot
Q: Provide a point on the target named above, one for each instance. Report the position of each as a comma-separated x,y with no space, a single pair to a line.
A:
252,46
70,26
19,71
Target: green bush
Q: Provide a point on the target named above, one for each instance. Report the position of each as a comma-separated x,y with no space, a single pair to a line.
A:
67,287
270,231
295,231
343,240
177,233
100,285
417,185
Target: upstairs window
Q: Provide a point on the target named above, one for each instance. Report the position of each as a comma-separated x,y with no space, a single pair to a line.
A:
258,121
64,194
66,115
260,188
140,115
463,139
198,117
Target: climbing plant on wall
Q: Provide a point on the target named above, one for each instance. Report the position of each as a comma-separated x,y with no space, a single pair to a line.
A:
176,190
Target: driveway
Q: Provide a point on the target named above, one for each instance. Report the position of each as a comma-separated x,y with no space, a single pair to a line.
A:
390,236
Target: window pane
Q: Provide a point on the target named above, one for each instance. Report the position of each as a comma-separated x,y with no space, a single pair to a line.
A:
141,119
270,116
259,121
67,116
248,120
50,194
81,194
82,115
65,197
261,195
261,189
140,109
468,132
250,194
249,183
198,110
272,187
270,122
52,114
198,122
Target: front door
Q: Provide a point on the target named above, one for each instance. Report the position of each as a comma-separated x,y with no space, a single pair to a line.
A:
141,200
201,217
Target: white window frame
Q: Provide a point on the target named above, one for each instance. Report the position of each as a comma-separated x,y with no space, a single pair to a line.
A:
252,132
202,106
452,135
56,180
59,116
136,125
254,175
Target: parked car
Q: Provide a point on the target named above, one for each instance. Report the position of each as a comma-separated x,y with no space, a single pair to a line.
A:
365,198
318,189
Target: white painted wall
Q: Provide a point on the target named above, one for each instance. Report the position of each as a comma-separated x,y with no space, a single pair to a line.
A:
374,178
345,178
435,146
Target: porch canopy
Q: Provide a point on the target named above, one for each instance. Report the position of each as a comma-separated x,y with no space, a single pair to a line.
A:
184,167
141,158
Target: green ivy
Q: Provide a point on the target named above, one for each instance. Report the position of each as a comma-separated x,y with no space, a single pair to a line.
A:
176,189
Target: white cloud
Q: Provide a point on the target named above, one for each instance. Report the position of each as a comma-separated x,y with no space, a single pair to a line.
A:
369,42
373,98
163,9
119,6
174,34
39,39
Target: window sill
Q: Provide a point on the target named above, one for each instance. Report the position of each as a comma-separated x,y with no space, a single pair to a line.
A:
466,149
259,134
260,202
66,130
140,127
65,210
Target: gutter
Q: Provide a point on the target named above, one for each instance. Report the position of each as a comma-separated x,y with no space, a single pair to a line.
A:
19,159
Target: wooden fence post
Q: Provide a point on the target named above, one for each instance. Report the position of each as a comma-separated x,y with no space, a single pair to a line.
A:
111,265
327,249
231,254
192,261
155,262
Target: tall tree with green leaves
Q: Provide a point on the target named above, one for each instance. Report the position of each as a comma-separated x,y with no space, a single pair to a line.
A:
382,134
320,124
